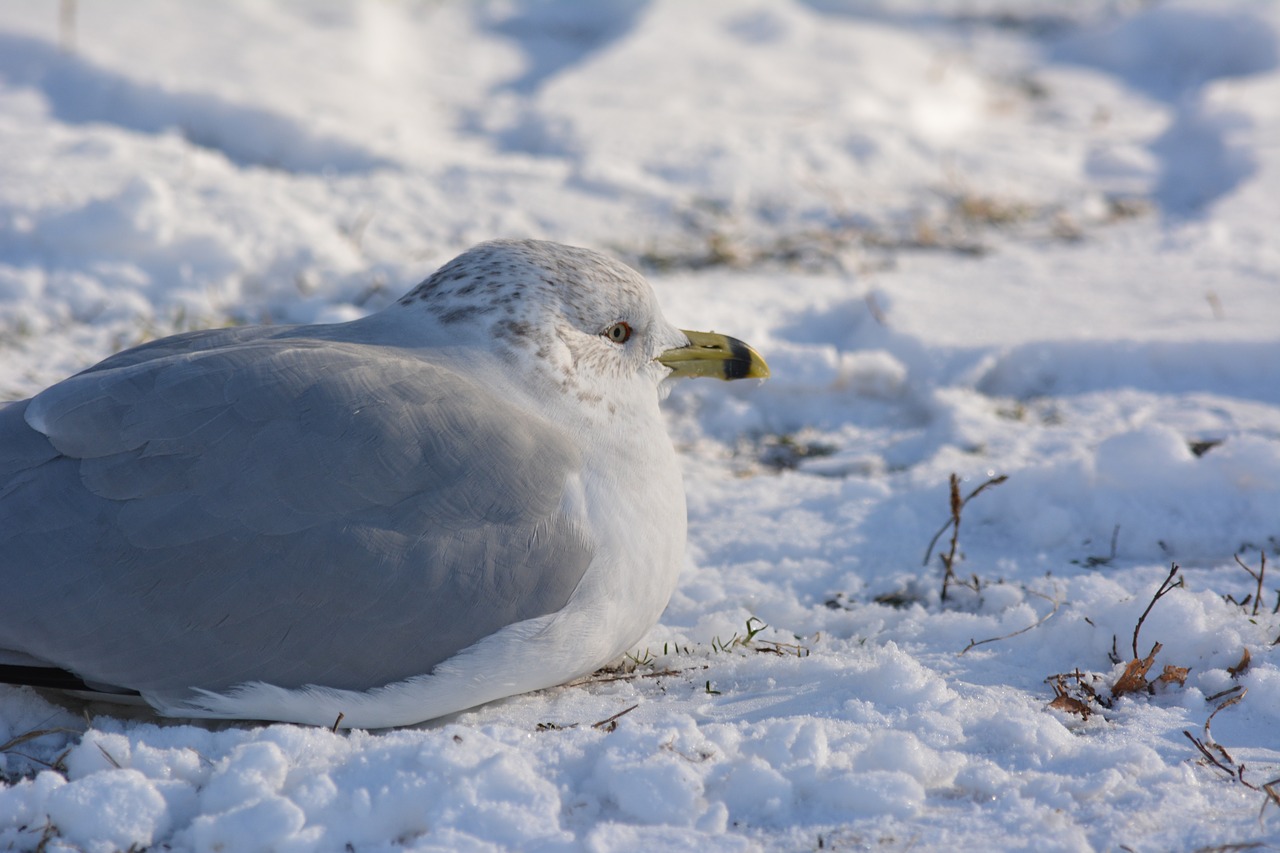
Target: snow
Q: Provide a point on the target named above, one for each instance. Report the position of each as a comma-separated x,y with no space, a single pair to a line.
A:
986,237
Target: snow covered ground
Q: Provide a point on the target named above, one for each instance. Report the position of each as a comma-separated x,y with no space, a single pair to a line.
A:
981,237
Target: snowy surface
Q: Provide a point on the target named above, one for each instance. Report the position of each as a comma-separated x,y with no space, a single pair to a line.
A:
980,236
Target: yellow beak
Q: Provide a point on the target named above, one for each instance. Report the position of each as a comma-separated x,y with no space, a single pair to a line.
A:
719,356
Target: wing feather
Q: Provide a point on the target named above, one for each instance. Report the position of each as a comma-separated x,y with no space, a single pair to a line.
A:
242,506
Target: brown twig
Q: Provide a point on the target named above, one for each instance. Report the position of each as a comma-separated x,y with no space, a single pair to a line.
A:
1208,746
626,676
110,758
611,723
1208,735
1164,589
1257,576
1215,697
957,506
774,647
32,735
1036,624
949,561
1272,790
1208,755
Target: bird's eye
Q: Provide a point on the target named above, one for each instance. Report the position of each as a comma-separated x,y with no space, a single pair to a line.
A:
619,333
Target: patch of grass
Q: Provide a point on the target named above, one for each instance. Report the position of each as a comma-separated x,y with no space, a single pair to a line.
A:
814,249
639,660
989,210
1120,208
714,234
16,332
898,599
643,665
177,321
10,747
1093,561
749,642
786,452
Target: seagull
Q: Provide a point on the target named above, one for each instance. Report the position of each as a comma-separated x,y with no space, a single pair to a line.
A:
465,496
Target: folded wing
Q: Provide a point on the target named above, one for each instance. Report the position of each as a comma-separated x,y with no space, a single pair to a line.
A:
237,506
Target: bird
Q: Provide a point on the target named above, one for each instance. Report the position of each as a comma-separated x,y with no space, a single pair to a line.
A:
467,495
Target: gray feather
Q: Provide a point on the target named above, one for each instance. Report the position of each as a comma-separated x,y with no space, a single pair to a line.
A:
250,504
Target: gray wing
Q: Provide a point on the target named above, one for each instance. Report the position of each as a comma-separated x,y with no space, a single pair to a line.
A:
279,510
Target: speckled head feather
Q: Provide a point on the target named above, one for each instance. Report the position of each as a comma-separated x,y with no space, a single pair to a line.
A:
498,276
555,303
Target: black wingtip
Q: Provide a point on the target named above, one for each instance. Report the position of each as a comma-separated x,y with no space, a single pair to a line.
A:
46,677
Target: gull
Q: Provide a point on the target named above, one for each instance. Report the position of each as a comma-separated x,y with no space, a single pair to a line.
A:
465,496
